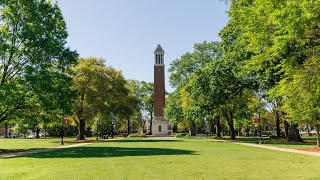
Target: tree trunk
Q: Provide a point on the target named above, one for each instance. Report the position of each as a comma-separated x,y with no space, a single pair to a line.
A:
286,129
6,130
278,124
294,134
247,131
128,121
151,123
308,130
81,129
97,138
174,128
232,132
37,133
218,127
88,132
82,123
231,126
318,135
193,128
143,124
239,132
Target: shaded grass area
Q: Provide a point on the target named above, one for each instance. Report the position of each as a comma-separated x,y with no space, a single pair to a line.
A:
147,140
109,152
161,159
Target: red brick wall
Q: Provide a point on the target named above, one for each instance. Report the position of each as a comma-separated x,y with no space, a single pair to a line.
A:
159,91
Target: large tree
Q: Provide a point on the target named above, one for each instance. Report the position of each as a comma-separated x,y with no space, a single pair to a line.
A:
131,106
101,89
34,59
281,38
173,110
188,63
216,88
147,94
179,108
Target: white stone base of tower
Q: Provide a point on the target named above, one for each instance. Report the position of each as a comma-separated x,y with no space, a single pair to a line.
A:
161,126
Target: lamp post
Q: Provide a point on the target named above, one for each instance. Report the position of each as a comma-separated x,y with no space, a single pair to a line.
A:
62,132
112,129
64,121
97,129
260,142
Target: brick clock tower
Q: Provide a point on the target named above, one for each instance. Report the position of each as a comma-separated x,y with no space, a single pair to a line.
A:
160,126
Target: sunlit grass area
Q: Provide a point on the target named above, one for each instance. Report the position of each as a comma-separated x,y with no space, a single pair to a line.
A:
161,159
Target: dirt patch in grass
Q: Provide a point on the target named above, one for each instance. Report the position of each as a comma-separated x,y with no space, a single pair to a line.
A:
12,150
313,149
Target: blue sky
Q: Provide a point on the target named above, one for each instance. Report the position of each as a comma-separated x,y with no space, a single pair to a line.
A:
126,32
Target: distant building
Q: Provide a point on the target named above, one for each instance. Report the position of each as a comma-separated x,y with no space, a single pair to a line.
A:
160,126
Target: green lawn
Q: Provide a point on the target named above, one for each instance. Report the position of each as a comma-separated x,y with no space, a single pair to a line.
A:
162,159
308,142
28,144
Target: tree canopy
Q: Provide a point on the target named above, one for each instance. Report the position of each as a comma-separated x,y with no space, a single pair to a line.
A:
34,61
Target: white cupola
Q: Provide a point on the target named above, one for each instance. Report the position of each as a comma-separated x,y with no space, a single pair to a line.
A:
159,56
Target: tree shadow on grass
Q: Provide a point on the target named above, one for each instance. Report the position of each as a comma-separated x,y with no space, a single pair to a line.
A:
105,152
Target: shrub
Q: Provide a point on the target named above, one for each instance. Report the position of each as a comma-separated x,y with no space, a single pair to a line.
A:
142,135
180,135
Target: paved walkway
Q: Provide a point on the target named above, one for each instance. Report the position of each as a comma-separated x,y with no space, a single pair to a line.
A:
11,155
273,148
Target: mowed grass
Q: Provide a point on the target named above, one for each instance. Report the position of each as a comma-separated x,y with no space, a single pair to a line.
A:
281,142
30,144
162,159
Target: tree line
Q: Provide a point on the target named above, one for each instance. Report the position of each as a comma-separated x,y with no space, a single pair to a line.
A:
42,81
267,62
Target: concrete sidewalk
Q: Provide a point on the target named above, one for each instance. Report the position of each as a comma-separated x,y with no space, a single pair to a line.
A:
272,148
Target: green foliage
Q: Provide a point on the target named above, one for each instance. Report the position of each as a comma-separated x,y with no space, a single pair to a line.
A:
140,135
21,128
180,135
276,45
173,110
102,123
302,94
147,93
179,105
34,62
180,69
129,108
101,90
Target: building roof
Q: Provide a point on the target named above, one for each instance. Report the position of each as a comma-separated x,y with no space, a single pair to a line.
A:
159,49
